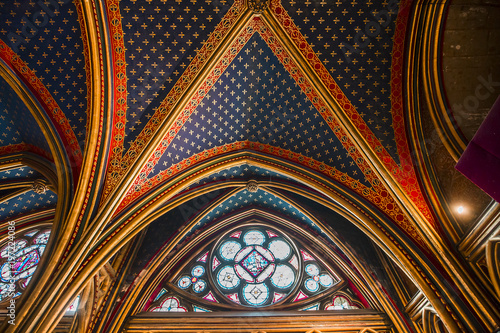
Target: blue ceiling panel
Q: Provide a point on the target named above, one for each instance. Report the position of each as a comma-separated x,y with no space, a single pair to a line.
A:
17,125
46,35
161,39
21,173
27,203
261,199
256,99
353,40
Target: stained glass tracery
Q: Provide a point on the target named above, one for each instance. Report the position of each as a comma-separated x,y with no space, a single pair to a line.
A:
253,266
170,304
18,261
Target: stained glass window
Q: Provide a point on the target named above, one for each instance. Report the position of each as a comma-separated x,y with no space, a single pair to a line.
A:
19,260
252,266
170,304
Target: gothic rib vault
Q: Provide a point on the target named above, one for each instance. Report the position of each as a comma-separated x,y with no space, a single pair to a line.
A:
240,165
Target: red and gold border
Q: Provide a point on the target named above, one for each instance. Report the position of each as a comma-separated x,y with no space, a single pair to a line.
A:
24,147
120,90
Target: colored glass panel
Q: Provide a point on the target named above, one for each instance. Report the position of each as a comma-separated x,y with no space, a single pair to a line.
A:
306,256
311,285
73,306
254,263
256,294
243,253
43,238
210,297
160,294
184,282
326,280
314,307
340,303
283,277
271,234
18,245
254,237
227,278
204,257
23,258
280,249
300,296
243,274
229,249
256,266
170,304
234,297
278,297
312,270
31,233
266,273
215,263
200,309
199,286
198,271
236,234
294,262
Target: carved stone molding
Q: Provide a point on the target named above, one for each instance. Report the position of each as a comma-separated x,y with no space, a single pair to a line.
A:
257,6
39,186
492,260
252,186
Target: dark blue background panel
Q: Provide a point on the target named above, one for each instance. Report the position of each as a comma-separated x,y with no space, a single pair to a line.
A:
161,39
17,125
27,203
353,39
256,99
46,35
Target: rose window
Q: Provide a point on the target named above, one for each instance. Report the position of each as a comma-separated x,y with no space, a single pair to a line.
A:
256,266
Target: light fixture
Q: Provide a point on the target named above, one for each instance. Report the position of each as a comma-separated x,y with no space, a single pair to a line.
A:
460,209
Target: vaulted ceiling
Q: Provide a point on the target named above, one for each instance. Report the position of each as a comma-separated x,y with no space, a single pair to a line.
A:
151,123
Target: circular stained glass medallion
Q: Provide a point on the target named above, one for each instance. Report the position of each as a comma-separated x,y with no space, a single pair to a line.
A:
256,294
311,285
227,278
254,237
280,249
184,282
198,271
229,249
199,286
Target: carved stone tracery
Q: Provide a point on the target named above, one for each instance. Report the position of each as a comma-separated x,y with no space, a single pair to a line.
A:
257,6
39,186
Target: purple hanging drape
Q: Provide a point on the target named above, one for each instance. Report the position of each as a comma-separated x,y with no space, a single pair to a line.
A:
480,161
